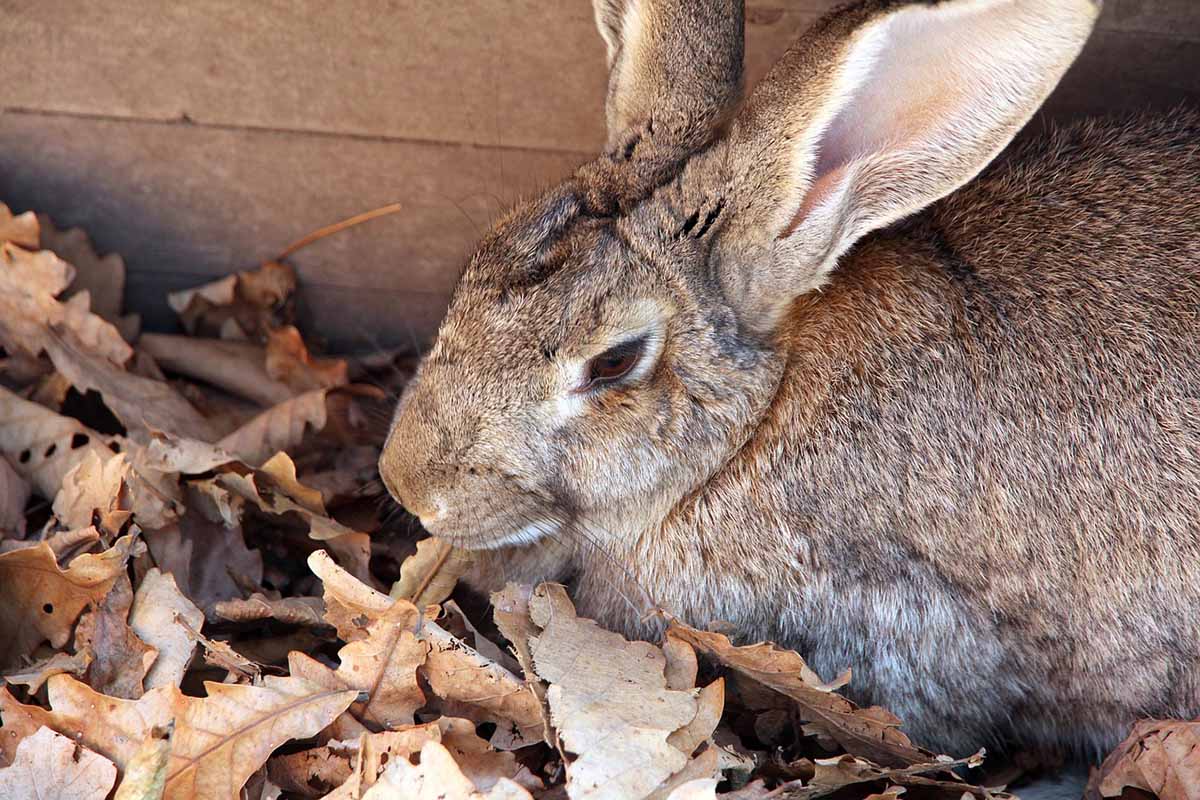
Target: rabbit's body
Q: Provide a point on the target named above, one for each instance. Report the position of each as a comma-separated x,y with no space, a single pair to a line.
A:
979,482
727,368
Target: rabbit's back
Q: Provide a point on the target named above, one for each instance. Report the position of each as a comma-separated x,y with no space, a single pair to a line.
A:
1012,428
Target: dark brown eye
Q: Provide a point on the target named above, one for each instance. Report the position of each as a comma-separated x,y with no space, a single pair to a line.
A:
614,363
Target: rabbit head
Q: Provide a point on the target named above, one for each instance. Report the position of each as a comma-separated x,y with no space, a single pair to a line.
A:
614,342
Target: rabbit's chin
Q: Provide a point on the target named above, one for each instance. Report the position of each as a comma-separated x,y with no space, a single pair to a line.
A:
519,536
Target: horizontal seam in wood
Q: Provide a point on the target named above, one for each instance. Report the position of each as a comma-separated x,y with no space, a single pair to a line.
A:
187,122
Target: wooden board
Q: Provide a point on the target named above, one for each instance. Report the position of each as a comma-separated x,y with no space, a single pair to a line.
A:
198,137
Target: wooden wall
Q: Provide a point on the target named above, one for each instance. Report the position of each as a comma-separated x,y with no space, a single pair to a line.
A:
202,136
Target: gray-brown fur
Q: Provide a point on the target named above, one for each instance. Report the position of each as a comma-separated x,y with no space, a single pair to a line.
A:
967,465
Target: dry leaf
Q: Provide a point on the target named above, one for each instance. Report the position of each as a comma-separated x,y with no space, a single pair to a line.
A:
161,616
14,494
40,601
30,313
429,575
350,605
219,740
52,767
287,360
119,658
383,665
437,777
35,675
280,427
307,611
872,733
92,491
241,306
609,702
20,229
43,446
1161,757
102,278
142,404
18,723
236,367
315,771
146,773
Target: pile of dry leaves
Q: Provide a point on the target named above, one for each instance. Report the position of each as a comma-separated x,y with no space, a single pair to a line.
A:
200,597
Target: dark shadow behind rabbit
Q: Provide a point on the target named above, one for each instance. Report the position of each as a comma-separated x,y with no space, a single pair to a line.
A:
729,366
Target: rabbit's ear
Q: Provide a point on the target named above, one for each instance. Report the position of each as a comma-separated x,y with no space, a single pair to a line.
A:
878,111
675,69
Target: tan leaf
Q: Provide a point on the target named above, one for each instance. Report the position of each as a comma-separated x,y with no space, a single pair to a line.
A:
52,767
281,427
93,490
1161,757
437,777
159,615
146,772
429,575
30,312
314,771
484,766
43,446
700,769
709,705
872,733
14,495
236,367
473,686
697,789
383,665
308,611
350,605
609,702
35,675
140,403
219,740
17,723
510,610
287,360
245,305
102,278
20,229
40,601
119,658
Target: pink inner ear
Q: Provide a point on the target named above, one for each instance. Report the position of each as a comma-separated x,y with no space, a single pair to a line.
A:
820,189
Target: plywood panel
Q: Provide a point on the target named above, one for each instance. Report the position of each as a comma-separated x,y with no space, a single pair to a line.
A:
518,74
186,203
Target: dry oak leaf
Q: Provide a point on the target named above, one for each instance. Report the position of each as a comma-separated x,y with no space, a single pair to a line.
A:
831,775
609,702
43,446
350,605
219,741
1159,756
143,404
40,601
306,611
241,306
102,278
146,773
30,311
383,665
872,733
236,367
161,615
52,767
35,675
93,489
280,427
18,722
287,360
14,495
119,658
315,771
437,777
428,576
20,229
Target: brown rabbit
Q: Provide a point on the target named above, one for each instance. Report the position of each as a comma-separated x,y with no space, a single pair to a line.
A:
728,365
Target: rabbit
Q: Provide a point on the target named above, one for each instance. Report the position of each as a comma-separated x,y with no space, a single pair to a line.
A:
806,361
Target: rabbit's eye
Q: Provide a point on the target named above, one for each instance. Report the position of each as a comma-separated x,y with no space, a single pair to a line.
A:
614,363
